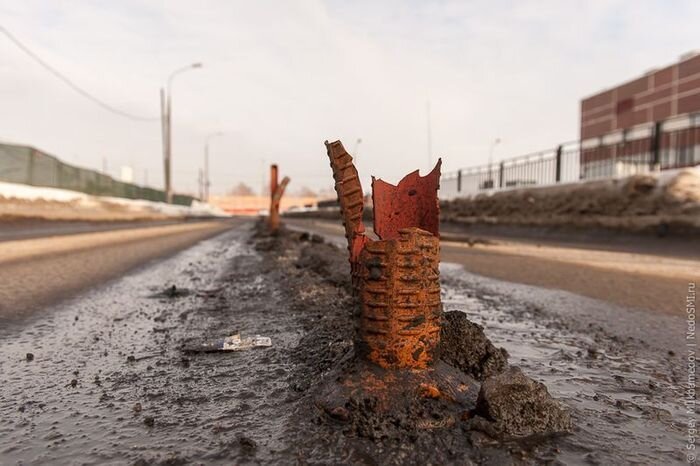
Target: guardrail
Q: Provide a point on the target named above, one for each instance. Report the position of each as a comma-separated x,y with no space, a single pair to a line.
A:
27,165
673,143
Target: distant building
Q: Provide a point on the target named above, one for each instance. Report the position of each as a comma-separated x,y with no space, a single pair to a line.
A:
259,205
126,174
650,122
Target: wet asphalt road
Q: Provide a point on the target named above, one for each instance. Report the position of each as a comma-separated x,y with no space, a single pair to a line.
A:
651,275
37,228
108,383
35,271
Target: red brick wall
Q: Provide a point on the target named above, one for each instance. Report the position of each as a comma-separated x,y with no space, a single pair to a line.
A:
667,92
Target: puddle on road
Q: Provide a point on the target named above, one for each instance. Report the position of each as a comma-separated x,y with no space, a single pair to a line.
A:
108,383
626,401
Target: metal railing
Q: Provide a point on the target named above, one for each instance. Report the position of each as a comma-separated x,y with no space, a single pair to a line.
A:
673,143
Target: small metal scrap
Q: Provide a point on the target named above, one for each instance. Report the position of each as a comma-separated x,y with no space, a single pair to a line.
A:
232,343
411,203
236,343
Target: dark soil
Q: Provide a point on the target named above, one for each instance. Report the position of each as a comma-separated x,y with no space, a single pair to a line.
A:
518,406
464,346
115,386
398,423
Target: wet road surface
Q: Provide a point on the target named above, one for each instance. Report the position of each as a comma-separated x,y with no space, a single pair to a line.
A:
37,271
620,370
108,383
38,228
656,281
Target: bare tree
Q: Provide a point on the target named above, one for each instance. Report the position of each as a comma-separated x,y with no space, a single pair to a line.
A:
241,189
305,191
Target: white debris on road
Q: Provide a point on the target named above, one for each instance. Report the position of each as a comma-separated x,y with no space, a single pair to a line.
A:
236,343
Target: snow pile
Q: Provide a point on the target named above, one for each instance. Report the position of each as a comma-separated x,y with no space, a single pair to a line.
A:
18,200
684,187
33,193
663,202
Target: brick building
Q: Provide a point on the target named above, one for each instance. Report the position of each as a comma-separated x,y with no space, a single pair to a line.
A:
648,123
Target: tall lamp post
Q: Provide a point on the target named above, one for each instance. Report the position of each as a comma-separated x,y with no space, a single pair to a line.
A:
493,147
166,119
357,149
206,164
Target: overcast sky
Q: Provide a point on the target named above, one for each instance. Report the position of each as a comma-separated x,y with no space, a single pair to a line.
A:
280,77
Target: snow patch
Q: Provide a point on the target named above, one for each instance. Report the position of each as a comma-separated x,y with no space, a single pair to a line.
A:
29,195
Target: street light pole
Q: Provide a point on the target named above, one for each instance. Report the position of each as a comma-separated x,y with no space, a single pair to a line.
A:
166,115
166,138
206,164
357,149
493,147
200,184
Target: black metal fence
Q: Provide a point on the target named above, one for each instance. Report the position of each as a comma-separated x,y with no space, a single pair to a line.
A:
672,143
26,165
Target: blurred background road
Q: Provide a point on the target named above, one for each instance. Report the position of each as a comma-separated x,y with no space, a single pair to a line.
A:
651,274
43,263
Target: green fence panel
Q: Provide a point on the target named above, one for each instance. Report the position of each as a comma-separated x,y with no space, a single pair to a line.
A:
26,165
14,164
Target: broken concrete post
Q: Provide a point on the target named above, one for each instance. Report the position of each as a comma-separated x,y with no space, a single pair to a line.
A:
397,276
276,192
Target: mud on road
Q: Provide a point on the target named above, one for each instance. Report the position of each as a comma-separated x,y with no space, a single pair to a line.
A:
109,380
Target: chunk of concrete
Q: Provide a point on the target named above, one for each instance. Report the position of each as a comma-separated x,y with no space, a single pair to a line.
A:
518,406
464,345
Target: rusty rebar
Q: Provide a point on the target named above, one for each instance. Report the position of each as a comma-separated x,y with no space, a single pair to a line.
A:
397,277
351,200
276,193
400,297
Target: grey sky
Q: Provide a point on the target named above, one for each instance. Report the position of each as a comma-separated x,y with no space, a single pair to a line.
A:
280,77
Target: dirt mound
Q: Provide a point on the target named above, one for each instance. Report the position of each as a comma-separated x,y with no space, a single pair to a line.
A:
464,346
640,203
318,258
383,405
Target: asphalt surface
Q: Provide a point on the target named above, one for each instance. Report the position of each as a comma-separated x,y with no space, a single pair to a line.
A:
39,271
108,382
18,229
651,275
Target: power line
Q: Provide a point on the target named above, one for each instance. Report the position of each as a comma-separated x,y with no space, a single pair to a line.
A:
70,83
